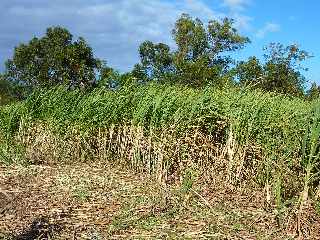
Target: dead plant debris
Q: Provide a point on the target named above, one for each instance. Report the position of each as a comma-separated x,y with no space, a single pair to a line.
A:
85,201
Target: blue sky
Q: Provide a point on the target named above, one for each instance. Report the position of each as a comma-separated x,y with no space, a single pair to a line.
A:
115,28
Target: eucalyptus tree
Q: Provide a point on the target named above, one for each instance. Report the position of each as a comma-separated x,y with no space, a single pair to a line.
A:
200,56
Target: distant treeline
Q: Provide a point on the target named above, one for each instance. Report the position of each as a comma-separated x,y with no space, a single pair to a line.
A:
201,58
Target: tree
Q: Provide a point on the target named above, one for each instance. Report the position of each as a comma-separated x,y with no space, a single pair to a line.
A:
140,73
314,92
250,72
5,95
281,71
156,59
200,57
51,60
9,91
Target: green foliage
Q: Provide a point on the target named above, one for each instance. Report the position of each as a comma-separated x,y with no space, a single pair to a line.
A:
105,71
250,72
5,96
200,57
51,60
314,92
281,72
279,126
311,150
156,59
139,72
266,119
188,181
10,91
112,79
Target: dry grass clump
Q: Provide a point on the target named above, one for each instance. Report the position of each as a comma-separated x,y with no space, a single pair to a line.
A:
99,201
164,154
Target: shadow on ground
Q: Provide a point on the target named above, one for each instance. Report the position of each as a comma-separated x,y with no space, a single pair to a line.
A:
40,228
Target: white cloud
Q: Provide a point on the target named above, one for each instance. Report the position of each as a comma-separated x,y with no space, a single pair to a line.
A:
236,8
236,5
268,28
200,9
114,28
242,22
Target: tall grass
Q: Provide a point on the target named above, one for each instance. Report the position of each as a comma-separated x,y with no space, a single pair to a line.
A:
249,136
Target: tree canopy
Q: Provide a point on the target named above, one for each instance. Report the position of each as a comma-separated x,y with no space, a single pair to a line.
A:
53,59
281,71
200,57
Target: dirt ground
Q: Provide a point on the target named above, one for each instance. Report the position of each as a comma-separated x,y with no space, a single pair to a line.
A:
85,201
